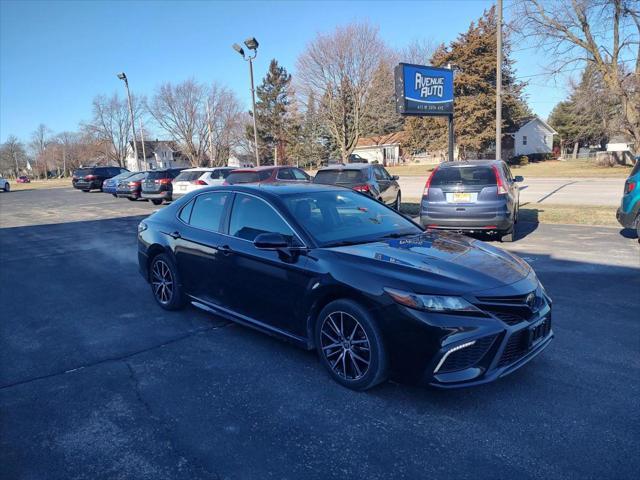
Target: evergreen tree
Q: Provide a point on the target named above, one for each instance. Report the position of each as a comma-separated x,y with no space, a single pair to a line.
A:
474,55
272,115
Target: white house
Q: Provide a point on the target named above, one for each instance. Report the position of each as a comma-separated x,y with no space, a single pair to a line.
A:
160,154
384,149
620,143
533,135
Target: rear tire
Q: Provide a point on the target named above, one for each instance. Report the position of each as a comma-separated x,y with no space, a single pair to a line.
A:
85,191
131,199
7,187
165,283
509,235
156,202
350,345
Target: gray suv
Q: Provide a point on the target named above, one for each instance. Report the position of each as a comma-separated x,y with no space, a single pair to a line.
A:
473,196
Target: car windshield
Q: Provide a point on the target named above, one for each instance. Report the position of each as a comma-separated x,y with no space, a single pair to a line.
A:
122,176
344,217
81,172
465,175
135,177
189,176
248,177
333,177
158,174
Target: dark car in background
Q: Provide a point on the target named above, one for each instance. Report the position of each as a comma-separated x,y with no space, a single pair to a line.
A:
472,196
92,178
267,175
131,187
328,268
370,179
158,187
110,185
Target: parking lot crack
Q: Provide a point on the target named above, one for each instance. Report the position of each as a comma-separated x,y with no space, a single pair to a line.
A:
126,356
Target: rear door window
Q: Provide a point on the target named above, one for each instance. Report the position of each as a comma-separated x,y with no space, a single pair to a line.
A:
285,174
464,175
299,174
208,210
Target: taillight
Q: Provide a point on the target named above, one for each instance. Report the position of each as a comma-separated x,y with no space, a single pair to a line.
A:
90,177
163,181
629,187
502,190
425,193
361,188
199,182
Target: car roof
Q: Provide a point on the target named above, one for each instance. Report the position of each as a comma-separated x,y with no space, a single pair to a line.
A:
207,169
348,166
469,163
259,169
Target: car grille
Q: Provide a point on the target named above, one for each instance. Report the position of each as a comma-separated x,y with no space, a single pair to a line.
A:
516,348
467,357
512,310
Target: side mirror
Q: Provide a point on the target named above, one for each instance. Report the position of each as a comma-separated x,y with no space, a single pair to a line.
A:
395,177
519,178
270,241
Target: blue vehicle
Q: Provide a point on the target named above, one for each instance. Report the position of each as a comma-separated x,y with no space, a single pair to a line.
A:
110,185
629,212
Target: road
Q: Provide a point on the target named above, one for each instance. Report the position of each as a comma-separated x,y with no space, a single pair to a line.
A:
562,191
96,381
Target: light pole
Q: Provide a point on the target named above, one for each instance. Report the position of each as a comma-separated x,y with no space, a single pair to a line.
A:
123,77
499,84
251,44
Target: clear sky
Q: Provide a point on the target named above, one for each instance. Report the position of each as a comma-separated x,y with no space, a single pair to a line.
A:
55,56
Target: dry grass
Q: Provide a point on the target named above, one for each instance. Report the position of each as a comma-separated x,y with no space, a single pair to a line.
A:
41,184
550,213
549,169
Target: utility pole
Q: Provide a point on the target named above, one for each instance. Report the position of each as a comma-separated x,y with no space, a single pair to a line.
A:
144,152
499,85
123,76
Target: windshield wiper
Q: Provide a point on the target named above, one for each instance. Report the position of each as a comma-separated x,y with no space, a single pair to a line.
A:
345,243
398,235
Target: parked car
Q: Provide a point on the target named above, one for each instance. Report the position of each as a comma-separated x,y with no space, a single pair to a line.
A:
355,158
91,178
628,213
5,185
23,179
110,185
196,178
157,185
328,268
267,175
131,187
370,179
474,196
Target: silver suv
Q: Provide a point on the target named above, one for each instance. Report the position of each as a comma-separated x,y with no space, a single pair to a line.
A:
473,196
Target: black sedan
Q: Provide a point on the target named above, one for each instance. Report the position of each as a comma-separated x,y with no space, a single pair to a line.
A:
332,269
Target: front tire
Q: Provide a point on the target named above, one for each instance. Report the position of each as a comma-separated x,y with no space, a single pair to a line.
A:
132,199
350,345
165,284
156,202
7,187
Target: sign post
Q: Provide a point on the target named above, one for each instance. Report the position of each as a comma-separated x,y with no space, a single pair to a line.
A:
426,91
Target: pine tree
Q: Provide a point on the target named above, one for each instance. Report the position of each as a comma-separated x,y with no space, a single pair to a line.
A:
272,114
474,55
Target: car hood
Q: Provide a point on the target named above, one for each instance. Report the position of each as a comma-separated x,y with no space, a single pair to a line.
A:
437,262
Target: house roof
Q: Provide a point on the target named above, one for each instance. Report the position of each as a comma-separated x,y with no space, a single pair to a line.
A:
395,138
151,146
527,120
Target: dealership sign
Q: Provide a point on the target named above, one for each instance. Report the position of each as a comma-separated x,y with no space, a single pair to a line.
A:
423,90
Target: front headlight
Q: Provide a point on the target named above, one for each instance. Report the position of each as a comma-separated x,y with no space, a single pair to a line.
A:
432,303
142,227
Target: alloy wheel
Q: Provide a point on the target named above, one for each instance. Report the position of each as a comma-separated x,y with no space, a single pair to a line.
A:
345,346
162,282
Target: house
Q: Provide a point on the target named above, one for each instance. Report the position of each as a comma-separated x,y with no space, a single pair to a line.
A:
620,143
160,154
240,161
384,149
531,135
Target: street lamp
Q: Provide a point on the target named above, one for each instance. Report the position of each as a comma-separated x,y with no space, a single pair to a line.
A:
122,76
251,44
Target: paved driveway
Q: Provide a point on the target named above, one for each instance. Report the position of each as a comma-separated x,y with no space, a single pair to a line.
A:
96,381
565,191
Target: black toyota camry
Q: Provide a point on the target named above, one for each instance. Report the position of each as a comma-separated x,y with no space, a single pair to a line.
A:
331,269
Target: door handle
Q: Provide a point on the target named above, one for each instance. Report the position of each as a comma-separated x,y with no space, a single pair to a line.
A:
175,235
225,249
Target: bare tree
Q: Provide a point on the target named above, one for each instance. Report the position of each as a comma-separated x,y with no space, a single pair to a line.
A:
339,69
224,122
40,138
595,32
111,125
180,110
419,51
12,156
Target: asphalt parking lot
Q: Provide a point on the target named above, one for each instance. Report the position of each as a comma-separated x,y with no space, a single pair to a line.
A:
96,381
